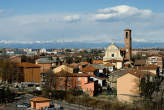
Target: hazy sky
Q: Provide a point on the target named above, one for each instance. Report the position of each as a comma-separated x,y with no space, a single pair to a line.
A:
81,20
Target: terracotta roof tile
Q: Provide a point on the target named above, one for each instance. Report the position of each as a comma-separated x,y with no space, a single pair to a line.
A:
84,63
89,69
148,67
39,99
67,74
97,61
28,65
108,64
140,73
113,61
74,65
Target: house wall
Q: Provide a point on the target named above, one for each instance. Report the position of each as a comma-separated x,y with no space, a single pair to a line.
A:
89,88
77,83
119,65
32,75
15,59
63,67
45,67
40,105
69,83
127,86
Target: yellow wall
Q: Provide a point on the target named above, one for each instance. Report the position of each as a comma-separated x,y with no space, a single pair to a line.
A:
127,85
63,67
32,74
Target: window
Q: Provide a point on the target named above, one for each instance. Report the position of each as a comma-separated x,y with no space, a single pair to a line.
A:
78,79
126,34
112,55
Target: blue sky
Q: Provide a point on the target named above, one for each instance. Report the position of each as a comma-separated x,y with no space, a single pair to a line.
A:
81,20
46,6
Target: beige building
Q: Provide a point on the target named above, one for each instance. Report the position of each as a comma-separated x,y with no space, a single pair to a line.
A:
65,68
128,85
113,55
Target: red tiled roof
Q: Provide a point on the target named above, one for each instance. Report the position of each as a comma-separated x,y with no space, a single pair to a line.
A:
40,99
89,69
140,74
108,64
97,61
84,63
67,74
74,65
148,67
28,65
113,61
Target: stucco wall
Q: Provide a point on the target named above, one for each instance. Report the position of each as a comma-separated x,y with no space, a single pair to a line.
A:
40,105
112,49
127,86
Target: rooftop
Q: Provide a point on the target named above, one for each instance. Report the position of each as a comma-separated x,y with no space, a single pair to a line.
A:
40,99
67,74
89,69
28,65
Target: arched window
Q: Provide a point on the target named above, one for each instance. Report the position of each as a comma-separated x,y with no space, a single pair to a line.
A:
126,34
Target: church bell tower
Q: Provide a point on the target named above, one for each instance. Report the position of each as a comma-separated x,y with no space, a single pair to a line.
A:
128,43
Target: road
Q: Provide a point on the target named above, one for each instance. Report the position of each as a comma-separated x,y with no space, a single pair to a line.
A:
66,106
73,106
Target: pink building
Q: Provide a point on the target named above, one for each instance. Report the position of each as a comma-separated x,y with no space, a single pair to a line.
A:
70,81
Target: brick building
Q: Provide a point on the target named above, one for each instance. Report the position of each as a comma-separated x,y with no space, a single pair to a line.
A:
76,81
28,72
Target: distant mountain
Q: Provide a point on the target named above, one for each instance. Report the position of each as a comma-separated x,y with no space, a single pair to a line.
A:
77,45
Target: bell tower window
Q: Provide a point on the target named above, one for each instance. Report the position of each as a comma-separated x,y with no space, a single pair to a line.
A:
126,34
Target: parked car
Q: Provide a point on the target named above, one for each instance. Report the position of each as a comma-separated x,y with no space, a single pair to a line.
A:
23,105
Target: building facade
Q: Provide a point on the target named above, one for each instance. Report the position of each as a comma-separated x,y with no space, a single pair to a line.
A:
156,60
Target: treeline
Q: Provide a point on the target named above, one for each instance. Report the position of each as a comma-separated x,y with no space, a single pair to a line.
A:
6,95
7,70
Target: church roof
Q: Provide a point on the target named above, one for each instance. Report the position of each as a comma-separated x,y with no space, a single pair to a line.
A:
127,29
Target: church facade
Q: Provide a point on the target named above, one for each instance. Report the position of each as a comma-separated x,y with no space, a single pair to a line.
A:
116,55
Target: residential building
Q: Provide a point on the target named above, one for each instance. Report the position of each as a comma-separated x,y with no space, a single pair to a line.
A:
128,88
28,72
140,62
68,68
15,59
156,60
76,81
47,63
149,68
89,70
40,103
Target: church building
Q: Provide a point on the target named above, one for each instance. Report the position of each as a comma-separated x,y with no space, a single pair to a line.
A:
119,56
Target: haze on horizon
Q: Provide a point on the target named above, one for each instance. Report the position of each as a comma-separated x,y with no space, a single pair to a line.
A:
81,20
